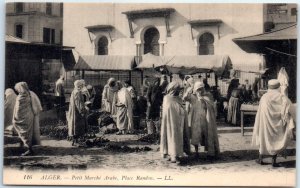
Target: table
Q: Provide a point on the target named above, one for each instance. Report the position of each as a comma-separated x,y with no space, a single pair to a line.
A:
247,109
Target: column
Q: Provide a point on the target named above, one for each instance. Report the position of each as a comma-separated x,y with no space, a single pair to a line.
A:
161,48
138,50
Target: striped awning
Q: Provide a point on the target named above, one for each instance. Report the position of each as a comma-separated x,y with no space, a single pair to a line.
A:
105,62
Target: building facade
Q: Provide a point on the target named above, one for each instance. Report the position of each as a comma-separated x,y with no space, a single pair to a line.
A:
163,29
35,22
279,16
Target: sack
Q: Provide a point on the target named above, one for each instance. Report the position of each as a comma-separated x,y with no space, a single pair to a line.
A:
105,119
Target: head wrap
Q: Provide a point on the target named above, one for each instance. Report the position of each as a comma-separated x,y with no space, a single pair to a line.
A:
78,84
110,81
190,80
22,87
89,87
119,84
198,85
273,84
173,87
9,91
82,81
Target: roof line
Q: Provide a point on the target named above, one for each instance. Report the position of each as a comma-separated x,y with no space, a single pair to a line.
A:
266,32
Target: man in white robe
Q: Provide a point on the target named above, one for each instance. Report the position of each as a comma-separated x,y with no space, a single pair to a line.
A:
273,123
26,117
109,97
174,129
203,121
124,111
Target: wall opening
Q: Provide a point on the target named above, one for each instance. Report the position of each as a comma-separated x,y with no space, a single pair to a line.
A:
206,44
102,46
151,44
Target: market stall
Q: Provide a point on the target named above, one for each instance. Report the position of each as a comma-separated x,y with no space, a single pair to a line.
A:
247,109
220,65
188,65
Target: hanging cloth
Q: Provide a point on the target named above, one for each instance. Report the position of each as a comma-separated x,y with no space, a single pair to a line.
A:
283,78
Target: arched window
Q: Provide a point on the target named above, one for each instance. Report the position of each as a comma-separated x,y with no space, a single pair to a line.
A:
206,44
102,44
151,44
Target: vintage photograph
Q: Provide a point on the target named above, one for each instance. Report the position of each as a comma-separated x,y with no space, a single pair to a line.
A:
150,94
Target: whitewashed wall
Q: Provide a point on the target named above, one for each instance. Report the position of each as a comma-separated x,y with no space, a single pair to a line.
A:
239,20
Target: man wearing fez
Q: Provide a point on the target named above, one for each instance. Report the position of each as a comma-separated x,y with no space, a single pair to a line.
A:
273,123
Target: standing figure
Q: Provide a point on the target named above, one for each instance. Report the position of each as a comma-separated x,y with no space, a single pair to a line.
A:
206,85
109,96
25,118
76,113
84,91
9,104
174,130
255,88
59,91
188,91
146,84
60,98
203,121
234,105
163,83
154,102
273,123
248,89
37,109
124,111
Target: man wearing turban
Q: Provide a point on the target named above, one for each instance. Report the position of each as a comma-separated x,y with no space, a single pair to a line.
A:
273,123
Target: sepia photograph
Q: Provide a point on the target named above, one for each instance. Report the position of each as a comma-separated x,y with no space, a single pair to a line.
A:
150,94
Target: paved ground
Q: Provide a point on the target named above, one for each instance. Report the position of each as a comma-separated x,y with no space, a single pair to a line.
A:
237,156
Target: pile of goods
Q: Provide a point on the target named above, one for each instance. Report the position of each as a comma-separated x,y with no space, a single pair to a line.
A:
251,103
125,149
153,138
52,128
99,118
112,128
88,142
58,132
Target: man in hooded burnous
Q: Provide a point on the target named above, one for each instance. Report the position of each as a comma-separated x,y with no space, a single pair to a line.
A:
174,130
273,123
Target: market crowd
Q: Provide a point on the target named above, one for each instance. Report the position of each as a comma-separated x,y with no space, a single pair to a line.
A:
182,112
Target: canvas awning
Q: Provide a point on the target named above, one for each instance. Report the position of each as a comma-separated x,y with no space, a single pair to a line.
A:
273,40
105,62
10,38
69,58
188,64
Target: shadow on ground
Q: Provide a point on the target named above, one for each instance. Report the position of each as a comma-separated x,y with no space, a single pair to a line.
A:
237,156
